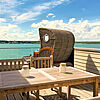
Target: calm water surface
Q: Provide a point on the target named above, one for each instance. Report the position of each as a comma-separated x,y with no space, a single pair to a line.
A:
9,51
88,45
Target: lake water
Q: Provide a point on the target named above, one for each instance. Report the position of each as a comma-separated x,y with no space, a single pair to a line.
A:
88,45
9,51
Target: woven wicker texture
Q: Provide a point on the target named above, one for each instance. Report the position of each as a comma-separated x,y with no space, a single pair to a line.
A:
61,41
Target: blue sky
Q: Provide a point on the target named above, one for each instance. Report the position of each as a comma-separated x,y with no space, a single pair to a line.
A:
20,19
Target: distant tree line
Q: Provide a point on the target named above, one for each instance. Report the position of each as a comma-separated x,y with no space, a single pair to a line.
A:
19,42
38,42
88,42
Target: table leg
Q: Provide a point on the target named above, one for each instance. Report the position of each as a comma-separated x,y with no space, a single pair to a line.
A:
1,96
95,87
68,92
60,91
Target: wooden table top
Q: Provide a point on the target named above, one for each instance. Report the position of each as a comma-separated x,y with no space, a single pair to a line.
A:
15,79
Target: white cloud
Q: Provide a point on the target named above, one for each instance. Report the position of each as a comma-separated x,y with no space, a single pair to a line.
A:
7,28
30,36
97,23
37,10
48,5
25,17
2,20
83,30
58,2
20,37
7,6
41,7
51,14
13,32
71,20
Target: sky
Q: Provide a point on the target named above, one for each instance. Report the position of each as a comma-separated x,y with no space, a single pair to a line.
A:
21,19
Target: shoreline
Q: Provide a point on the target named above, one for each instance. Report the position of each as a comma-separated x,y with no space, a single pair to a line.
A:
19,42
88,42
38,42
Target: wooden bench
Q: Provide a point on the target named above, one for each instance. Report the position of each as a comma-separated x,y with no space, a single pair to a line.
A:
11,64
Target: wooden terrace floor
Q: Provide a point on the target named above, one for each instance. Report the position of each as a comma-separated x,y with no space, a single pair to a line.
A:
78,92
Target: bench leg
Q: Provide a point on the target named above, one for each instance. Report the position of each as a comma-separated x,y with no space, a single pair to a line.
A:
1,96
68,92
60,91
95,87
27,95
37,95
23,94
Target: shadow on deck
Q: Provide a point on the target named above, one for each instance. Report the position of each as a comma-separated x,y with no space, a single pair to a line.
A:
77,92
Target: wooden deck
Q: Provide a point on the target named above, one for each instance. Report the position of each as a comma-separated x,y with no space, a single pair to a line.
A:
78,92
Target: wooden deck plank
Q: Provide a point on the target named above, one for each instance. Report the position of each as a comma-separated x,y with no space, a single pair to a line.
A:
46,93
5,97
18,96
10,97
31,96
75,93
82,91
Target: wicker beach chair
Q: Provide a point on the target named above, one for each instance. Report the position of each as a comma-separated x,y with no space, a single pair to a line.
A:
62,42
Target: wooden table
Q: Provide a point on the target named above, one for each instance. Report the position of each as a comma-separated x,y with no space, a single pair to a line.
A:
13,81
